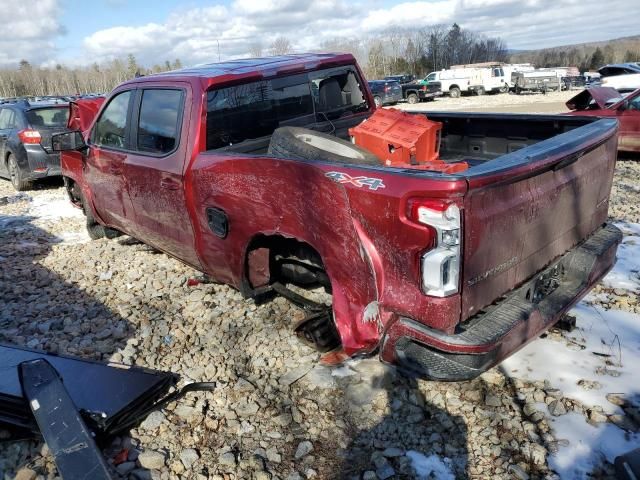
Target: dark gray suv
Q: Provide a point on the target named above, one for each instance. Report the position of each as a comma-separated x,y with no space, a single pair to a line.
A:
25,140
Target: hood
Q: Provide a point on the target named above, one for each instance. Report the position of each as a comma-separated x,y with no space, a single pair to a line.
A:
83,112
600,95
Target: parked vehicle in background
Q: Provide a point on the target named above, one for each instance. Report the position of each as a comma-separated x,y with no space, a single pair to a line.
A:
618,69
401,79
608,102
623,83
536,81
452,82
509,69
488,80
415,92
443,274
25,140
385,92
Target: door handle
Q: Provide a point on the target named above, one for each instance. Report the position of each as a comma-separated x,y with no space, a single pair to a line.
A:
169,184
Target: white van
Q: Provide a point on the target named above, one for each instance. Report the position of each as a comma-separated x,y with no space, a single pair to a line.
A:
456,81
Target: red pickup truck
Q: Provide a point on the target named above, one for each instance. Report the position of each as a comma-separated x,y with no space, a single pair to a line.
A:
443,274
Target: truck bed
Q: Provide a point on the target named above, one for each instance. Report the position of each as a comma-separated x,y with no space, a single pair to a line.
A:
472,137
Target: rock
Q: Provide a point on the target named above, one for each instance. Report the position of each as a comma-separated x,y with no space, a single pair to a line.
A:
188,457
392,452
304,449
245,409
25,474
151,460
617,399
273,455
538,454
385,471
596,416
153,420
261,476
294,476
492,400
125,467
557,408
243,385
186,412
227,459
624,422
518,472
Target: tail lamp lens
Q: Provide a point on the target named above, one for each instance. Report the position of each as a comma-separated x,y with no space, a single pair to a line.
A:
29,136
440,266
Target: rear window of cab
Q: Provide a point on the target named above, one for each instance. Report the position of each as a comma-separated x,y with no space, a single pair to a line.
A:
48,117
256,109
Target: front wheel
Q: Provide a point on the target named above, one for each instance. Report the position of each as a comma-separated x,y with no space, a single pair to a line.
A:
413,98
504,89
16,175
94,229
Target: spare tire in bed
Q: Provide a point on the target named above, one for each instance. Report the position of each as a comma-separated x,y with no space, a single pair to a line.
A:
305,144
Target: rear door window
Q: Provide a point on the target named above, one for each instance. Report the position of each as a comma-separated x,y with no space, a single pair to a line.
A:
337,92
254,110
111,128
159,120
55,117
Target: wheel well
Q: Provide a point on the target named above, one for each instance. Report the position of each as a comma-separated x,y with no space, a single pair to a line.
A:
73,190
453,86
412,92
276,258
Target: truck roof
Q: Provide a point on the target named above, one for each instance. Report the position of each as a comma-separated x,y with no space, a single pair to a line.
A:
262,67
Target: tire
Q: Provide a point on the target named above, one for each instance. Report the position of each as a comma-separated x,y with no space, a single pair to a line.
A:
16,176
412,98
377,101
480,91
504,89
454,92
95,230
305,144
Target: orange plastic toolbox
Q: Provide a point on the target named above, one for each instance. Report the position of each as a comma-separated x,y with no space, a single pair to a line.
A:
399,138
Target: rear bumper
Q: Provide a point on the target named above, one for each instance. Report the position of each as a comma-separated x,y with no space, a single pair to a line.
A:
41,164
504,327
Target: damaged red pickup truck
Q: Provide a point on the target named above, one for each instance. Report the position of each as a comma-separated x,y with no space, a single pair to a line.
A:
445,274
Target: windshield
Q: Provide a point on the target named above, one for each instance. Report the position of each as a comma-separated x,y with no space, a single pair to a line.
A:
48,117
431,77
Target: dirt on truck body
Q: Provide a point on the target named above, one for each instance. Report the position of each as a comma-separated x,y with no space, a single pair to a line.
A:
443,274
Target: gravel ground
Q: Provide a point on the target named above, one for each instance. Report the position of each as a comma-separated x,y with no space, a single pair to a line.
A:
276,413
552,102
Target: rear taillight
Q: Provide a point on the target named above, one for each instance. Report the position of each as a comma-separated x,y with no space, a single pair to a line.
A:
29,136
424,88
387,89
440,266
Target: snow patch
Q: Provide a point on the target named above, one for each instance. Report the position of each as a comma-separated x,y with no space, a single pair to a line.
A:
431,466
626,272
604,347
587,445
53,207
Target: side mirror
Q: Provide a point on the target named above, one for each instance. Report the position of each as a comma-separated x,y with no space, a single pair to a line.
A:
67,141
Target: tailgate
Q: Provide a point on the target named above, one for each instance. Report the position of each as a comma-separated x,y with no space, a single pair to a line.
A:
533,206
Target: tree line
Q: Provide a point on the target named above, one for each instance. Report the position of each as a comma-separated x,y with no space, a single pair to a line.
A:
586,56
61,80
394,51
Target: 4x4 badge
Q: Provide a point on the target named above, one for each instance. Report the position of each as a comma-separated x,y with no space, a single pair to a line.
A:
371,183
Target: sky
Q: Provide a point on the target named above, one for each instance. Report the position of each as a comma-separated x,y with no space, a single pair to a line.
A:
76,32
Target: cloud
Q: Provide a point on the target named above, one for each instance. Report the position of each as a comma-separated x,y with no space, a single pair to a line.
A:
194,35
29,34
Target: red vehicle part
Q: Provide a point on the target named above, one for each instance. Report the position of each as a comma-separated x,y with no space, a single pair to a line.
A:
399,138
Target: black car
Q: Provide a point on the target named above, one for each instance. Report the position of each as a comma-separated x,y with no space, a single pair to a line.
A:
385,92
25,140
